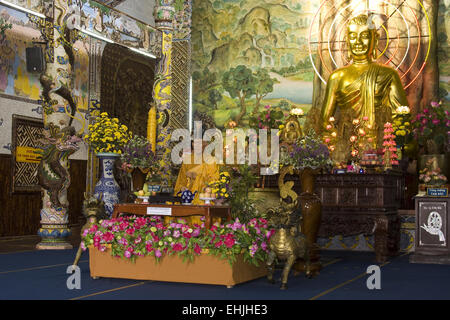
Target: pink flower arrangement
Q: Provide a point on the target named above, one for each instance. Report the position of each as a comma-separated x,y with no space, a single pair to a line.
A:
389,144
131,237
432,176
430,128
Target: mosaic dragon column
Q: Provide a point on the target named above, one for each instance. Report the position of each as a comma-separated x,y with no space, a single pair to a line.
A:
60,139
164,13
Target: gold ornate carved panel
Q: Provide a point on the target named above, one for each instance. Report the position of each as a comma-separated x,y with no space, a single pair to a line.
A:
181,56
126,86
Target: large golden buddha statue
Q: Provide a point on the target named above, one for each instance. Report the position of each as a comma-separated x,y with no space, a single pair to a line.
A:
362,90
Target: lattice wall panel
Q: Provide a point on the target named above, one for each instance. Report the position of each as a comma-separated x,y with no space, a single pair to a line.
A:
181,57
26,133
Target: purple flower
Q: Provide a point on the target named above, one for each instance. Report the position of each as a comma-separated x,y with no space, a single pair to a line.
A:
127,254
253,249
176,234
196,232
434,104
264,246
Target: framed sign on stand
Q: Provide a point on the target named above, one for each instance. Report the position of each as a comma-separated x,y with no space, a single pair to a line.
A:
432,230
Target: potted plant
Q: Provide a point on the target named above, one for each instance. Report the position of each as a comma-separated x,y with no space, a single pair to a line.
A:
221,188
248,202
307,156
401,123
139,160
431,131
106,137
431,176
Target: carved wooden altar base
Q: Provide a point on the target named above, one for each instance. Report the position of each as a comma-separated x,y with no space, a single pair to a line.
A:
355,204
205,269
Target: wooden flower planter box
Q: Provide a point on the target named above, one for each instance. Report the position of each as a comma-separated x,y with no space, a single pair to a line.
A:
205,269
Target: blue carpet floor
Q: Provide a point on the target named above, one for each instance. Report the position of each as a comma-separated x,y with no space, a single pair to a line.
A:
42,275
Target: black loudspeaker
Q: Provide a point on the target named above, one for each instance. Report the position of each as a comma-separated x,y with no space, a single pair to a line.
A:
35,59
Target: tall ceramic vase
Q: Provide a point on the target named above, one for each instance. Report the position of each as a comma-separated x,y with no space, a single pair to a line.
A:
107,186
311,207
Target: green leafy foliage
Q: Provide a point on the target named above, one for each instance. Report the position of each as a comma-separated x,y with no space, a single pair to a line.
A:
243,179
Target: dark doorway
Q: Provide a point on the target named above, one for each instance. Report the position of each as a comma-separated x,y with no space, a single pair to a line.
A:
126,86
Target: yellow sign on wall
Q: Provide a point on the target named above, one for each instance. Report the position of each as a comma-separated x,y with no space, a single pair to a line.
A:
28,154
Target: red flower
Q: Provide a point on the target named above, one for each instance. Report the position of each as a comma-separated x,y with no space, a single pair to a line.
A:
197,249
177,247
218,244
131,230
123,226
93,229
187,235
229,242
107,237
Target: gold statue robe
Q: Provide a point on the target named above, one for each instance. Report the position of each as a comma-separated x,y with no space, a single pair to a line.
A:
204,173
375,94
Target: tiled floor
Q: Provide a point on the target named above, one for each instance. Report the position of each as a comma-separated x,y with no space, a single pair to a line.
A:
28,243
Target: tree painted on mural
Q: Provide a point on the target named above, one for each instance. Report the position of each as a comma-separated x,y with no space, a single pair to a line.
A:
208,90
264,86
240,83
227,96
214,96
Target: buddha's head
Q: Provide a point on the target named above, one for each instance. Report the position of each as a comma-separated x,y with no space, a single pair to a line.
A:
362,38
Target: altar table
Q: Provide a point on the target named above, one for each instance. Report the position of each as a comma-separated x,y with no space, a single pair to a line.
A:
208,211
363,204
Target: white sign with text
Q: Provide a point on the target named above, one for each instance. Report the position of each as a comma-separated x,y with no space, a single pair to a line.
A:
159,211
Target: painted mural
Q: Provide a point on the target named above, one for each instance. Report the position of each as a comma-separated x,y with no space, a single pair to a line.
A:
42,6
269,38
14,78
114,25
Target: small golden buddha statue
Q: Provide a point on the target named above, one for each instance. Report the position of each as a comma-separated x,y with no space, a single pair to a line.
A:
292,131
362,90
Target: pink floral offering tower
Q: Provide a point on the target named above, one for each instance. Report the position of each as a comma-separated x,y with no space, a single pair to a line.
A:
389,147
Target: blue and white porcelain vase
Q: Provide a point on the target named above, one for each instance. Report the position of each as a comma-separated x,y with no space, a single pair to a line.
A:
107,187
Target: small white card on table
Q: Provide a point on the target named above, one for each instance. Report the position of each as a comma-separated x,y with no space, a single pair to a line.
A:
158,211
